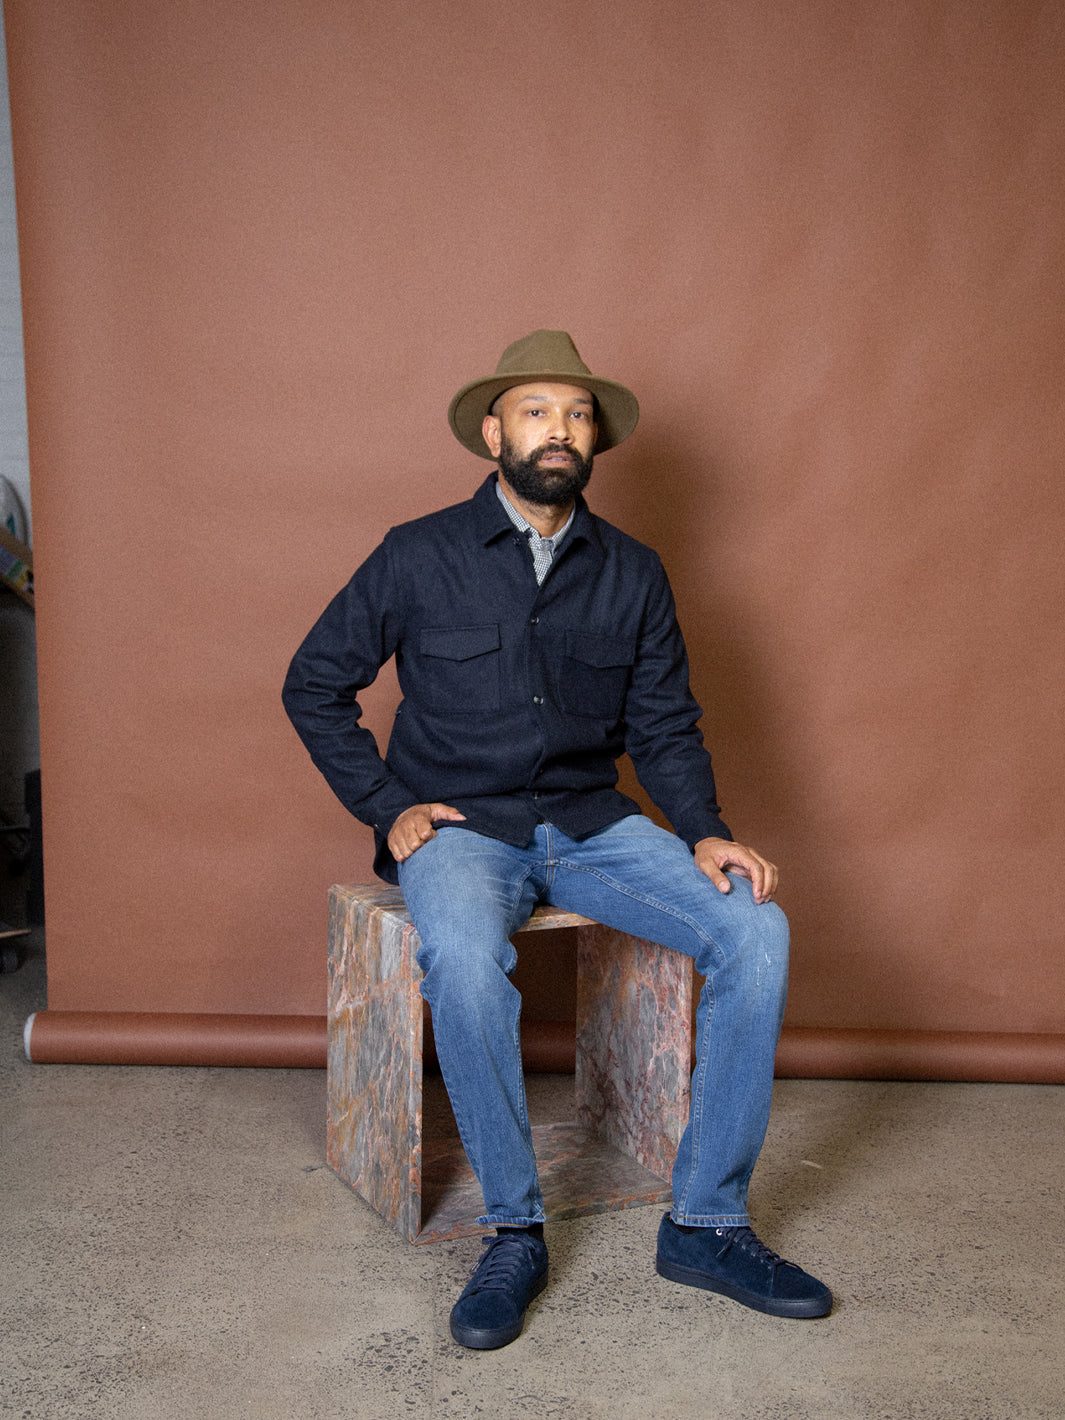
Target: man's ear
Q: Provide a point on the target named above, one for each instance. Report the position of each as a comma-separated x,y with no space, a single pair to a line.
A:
492,433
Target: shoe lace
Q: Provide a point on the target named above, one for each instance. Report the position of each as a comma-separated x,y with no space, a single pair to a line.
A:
504,1262
748,1241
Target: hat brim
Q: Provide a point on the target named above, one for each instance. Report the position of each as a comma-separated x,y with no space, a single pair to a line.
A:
616,414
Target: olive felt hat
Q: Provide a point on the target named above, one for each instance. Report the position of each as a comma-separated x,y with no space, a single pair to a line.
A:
551,356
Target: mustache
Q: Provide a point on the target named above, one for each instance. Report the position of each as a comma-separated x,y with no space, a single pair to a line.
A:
554,450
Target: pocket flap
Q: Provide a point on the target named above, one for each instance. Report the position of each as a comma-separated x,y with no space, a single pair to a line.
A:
600,651
459,643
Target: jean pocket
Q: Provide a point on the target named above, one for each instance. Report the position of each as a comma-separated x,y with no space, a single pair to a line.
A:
595,673
459,668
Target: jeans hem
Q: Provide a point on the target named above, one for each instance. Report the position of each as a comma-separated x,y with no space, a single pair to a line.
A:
500,1220
719,1220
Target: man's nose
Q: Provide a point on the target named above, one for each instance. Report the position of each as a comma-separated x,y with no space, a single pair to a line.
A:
559,431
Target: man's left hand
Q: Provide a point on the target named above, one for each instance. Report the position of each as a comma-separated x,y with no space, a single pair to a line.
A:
714,855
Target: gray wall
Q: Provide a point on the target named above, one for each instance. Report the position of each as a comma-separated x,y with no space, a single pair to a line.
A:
19,748
14,450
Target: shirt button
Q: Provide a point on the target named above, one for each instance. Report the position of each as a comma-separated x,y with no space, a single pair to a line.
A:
538,699
534,621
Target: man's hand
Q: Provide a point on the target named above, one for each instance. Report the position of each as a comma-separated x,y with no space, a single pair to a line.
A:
714,855
415,827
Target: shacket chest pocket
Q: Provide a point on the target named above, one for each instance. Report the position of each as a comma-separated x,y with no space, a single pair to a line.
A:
594,674
459,670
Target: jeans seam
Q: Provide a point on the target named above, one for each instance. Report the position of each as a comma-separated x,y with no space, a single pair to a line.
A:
526,1127
519,886
695,1110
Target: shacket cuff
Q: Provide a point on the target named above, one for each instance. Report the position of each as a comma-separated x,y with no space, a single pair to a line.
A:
715,828
381,809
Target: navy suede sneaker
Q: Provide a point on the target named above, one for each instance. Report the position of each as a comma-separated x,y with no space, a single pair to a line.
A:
491,1310
733,1262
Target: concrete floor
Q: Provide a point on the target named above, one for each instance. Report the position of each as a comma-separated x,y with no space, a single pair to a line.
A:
174,1246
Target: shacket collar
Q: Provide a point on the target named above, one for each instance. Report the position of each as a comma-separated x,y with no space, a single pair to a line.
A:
491,521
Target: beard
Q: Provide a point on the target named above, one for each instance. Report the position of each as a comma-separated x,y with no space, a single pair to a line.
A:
548,487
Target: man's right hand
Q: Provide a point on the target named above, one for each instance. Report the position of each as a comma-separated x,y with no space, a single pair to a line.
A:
415,827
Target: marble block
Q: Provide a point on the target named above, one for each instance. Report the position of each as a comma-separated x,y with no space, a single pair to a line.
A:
634,1011
633,1061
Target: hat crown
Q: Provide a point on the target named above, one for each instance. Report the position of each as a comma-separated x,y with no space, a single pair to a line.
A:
543,350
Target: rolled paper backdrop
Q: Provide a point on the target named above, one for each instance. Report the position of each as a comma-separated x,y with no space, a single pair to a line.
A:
159,1038
548,1047
1011,1057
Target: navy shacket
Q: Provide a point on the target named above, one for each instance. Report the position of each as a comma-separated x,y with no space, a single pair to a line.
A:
518,699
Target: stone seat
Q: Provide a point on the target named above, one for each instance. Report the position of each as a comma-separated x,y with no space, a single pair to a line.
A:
632,1073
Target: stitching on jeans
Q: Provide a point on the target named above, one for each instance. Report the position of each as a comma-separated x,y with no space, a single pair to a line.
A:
520,888
696,1109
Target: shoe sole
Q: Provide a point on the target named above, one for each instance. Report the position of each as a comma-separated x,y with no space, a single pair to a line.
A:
484,1339
774,1306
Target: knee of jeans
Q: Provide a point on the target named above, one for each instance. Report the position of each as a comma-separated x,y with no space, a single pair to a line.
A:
465,967
771,944
757,947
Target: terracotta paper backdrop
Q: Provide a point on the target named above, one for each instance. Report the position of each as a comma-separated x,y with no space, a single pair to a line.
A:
263,243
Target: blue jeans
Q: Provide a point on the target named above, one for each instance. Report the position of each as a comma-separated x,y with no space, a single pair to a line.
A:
468,894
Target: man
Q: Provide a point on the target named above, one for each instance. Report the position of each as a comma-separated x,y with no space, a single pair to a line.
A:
535,644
